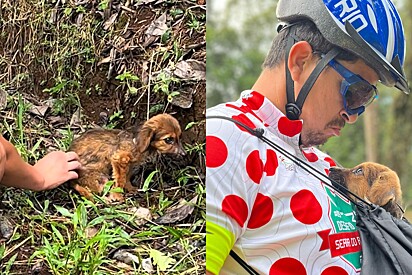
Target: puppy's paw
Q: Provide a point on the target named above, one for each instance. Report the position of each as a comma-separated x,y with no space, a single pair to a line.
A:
114,197
122,158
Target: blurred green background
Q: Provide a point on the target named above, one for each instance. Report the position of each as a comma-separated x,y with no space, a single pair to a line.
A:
239,33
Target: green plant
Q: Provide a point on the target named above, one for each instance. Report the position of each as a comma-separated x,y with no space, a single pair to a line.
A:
114,119
164,80
70,248
16,130
196,21
129,80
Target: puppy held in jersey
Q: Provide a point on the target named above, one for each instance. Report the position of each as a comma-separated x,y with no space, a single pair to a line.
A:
373,182
110,154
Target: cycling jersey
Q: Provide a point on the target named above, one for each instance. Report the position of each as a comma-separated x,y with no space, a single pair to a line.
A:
278,218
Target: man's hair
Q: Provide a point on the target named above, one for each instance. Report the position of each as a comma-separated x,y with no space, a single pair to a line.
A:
304,31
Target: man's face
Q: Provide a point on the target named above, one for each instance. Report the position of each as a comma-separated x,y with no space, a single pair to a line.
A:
323,113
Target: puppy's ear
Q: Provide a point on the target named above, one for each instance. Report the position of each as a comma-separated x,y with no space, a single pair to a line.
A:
385,188
144,137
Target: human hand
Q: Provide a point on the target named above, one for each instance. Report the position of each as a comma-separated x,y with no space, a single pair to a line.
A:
57,167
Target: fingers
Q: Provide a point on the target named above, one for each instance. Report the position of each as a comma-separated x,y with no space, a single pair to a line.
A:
70,156
72,175
73,165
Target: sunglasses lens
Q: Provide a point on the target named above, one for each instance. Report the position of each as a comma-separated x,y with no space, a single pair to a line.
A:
359,94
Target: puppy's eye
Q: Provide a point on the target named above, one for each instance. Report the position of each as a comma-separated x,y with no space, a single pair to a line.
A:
358,172
169,140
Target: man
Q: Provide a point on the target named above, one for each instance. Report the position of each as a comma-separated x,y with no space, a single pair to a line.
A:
319,75
48,173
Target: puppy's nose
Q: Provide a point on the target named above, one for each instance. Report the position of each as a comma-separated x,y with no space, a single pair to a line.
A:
181,151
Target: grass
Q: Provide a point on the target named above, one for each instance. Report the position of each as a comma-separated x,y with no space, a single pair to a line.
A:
83,240
67,234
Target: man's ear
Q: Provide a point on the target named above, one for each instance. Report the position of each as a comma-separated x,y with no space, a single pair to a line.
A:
299,56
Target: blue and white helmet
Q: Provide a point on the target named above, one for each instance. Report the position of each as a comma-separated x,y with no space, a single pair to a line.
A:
371,29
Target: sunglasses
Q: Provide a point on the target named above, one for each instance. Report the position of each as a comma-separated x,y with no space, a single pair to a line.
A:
357,93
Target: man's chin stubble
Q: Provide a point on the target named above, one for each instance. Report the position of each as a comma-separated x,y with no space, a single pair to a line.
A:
312,139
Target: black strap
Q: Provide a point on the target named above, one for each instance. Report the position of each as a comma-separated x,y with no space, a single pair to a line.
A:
259,133
307,86
293,107
247,267
292,110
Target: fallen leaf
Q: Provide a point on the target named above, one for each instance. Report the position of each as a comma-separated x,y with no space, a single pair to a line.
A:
76,118
3,99
6,228
126,257
91,232
190,69
162,261
147,265
105,60
109,22
38,110
142,214
149,1
157,28
179,212
183,100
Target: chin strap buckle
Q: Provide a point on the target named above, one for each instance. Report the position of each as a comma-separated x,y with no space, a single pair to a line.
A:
292,111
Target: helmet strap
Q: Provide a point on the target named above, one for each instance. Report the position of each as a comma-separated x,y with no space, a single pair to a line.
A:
293,107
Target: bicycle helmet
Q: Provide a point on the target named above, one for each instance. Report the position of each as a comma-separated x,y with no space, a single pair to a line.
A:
370,29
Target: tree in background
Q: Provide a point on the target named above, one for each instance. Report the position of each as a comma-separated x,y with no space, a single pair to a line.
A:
401,128
238,36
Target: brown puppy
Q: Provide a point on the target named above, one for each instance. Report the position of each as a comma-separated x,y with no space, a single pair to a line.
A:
110,154
373,182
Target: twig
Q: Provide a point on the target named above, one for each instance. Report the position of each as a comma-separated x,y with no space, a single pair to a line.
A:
127,9
8,252
148,88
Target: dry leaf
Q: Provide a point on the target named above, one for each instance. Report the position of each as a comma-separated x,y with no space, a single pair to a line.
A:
6,228
3,99
105,60
126,257
109,22
142,214
179,212
76,118
149,1
190,69
183,100
158,27
91,232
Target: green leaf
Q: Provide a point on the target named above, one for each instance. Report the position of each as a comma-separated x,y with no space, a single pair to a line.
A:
162,261
63,211
81,214
117,190
10,263
107,187
190,125
67,11
148,180
57,234
133,90
97,221
2,250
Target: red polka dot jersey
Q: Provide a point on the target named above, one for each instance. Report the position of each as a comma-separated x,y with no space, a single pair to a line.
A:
283,220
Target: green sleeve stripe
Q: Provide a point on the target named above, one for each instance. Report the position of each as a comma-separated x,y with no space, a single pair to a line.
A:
219,242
